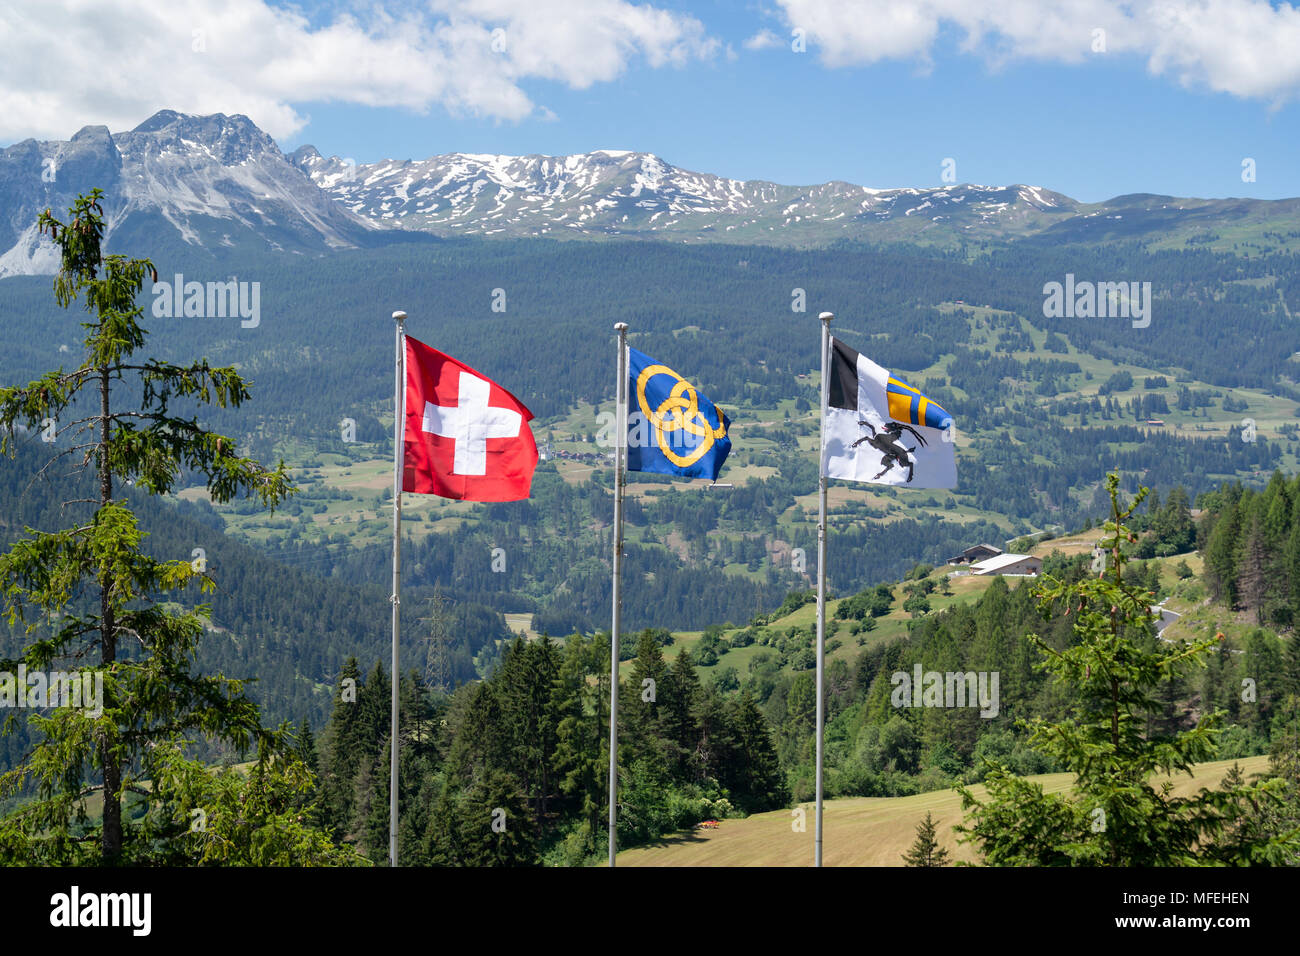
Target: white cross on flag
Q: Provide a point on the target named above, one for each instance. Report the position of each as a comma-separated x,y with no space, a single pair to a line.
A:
466,436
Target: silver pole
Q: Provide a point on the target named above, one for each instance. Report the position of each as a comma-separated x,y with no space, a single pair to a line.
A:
620,443
399,431
821,579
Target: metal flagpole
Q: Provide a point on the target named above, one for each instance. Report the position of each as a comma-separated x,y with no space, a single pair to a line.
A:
620,444
399,431
826,318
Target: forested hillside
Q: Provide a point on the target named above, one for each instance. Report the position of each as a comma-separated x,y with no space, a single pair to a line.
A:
495,721
285,631
713,743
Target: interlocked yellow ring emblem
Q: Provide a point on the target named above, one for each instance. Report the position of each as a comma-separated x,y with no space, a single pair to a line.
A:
680,411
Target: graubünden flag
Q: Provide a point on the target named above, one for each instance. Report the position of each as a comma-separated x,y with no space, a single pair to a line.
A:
466,436
881,430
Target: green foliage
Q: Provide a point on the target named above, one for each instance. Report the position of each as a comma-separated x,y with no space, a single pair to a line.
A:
872,602
925,851
260,817
1260,820
1118,382
1116,815
916,605
793,601
91,586
523,777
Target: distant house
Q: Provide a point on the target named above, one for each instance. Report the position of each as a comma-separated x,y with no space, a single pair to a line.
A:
975,553
1008,564
1155,421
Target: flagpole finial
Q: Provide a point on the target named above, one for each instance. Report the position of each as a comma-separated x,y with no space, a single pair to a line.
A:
399,316
620,326
826,316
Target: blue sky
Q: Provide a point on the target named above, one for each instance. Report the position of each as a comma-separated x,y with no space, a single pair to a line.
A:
883,94
1092,131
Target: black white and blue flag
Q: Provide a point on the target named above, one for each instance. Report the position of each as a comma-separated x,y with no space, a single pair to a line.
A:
880,430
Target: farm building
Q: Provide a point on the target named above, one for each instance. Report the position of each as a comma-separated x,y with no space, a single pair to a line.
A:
1008,564
975,553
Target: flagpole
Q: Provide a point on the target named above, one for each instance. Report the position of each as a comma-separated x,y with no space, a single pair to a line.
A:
620,442
399,431
826,318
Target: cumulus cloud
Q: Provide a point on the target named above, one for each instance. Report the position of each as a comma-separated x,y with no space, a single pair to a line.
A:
66,63
763,40
1248,48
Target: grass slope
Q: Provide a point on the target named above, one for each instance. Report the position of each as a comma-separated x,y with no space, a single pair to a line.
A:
861,831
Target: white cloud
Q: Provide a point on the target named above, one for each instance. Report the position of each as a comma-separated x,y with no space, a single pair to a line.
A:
763,40
1248,48
67,63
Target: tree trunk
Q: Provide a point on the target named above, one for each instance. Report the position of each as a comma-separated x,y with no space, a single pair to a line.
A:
112,832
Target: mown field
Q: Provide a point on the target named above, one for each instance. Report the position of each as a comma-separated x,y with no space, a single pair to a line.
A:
861,831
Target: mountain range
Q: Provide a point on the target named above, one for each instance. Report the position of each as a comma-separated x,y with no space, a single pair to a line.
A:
218,181
211,181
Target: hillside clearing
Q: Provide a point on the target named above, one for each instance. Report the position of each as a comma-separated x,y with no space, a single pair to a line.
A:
860,831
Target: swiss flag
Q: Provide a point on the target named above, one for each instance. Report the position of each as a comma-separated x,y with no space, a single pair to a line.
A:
466,436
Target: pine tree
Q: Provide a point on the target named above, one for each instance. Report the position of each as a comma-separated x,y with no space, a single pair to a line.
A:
1291,561
925,850
677,714
1262,661
482,816
753,777
1221,555
305,749
639,702
306,742
577,751
716,748
1291,667
1252,579
525,683
94,585
343,746
1178,517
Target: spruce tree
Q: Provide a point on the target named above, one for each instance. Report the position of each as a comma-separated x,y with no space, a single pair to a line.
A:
525,682
482,817
1291,667
677,714
1117,814
342,750
925,849
92,586
1252,579
577,752
639,701
1221,555
753,777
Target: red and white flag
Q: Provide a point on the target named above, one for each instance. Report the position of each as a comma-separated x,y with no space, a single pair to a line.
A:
466,436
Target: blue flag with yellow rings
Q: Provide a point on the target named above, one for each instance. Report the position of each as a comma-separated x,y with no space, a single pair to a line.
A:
671,428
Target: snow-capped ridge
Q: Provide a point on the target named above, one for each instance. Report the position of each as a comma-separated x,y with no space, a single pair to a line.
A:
208,178
613,192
